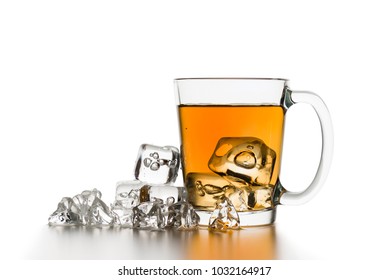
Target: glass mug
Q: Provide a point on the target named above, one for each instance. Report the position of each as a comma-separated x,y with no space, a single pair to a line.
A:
231,142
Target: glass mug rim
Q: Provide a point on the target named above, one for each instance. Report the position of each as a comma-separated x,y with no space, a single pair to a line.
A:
232,78
230,91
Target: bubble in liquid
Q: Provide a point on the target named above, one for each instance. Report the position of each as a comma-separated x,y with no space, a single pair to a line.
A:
154,166
245,159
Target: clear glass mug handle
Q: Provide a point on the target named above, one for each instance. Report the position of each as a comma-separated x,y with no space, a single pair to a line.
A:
293,97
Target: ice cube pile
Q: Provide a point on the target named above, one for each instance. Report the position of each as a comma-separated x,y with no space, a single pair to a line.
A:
243,168
85,208
150,201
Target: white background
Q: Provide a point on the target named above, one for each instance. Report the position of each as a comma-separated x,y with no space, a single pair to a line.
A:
84,83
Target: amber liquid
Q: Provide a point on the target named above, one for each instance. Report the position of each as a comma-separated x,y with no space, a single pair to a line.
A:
202,127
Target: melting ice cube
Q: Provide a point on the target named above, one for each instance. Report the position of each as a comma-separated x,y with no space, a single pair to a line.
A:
204,189
245,160
148,215
83,209
186,218
157,165
67,213
135,191
99,214
262,197
224,216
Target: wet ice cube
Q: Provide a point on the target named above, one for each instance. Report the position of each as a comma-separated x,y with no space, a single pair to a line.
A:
84,201
239,199
246,160
204,189
99,214
67,213
263,197
252,198
186,216
85,208
124,188
157,165
146,192
224,216
86,197
148,215
131,200
123,216
93,211
169,214
168,194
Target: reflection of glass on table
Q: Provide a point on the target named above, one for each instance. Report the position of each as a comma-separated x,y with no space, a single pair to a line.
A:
116,243
247,243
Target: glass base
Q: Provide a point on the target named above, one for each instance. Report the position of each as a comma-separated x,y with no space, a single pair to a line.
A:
247,219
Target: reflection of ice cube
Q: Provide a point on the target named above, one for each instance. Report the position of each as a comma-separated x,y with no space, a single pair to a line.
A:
224,216
204,189
243,160
156,164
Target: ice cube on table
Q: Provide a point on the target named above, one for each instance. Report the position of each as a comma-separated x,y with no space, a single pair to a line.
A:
99,214
123,216
67,213
124,188
169,214
85,208
156,215
134,197
243,160
146,192
86,198
84,201
148,215
186,216
224,216
157,165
